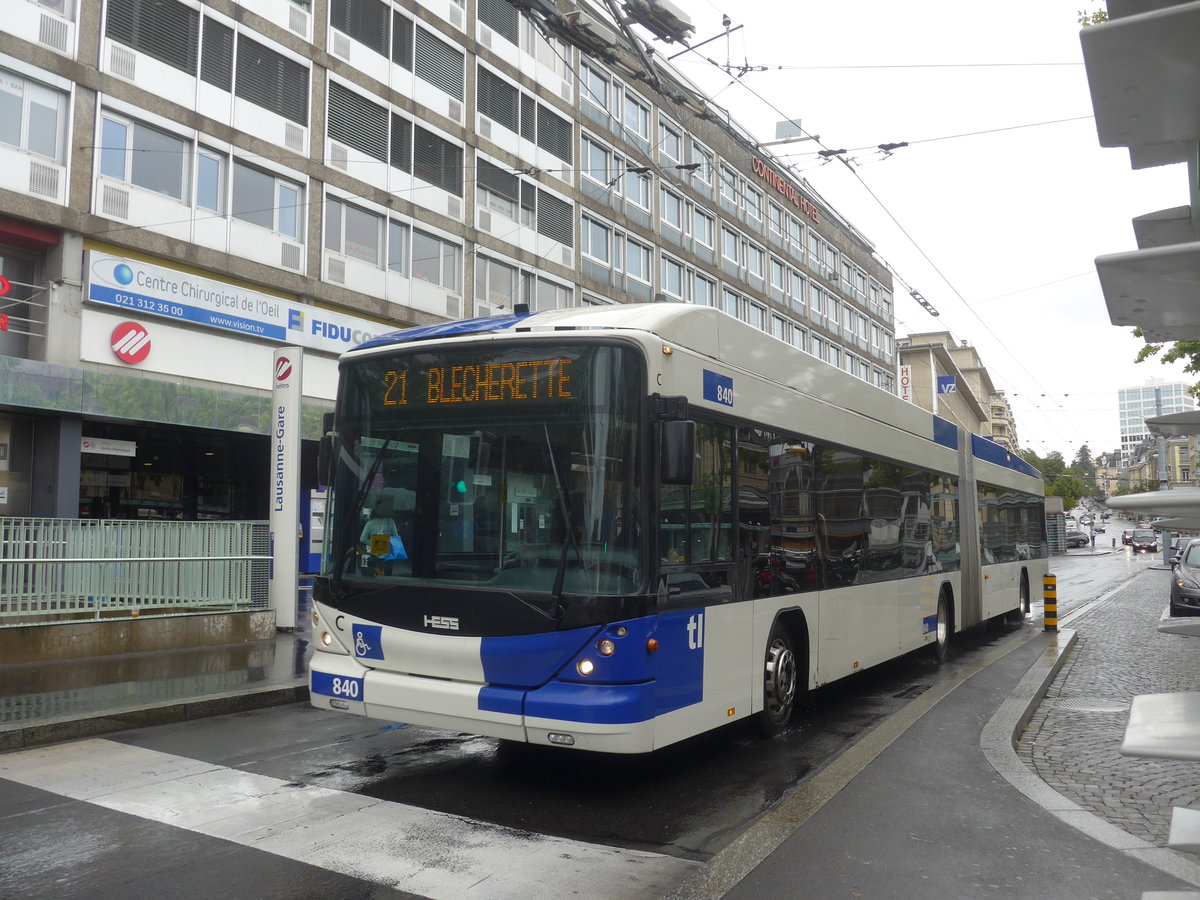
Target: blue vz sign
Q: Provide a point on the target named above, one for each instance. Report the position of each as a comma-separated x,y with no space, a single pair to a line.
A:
718,388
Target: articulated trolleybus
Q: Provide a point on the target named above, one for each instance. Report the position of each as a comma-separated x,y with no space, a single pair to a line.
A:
614,528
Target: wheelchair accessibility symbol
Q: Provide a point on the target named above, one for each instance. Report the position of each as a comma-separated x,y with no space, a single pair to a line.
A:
368,641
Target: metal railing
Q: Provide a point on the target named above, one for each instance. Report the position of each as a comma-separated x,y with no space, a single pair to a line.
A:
59,570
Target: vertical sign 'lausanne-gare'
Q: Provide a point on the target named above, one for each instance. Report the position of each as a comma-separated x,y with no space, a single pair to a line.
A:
286,403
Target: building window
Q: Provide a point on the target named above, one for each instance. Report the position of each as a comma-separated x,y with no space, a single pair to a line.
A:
495,282
266,200
703,228
671,209
755,261
636,116
354,232
672,278
754,205
670,143
594,241
500,16
271,80
438,161
358,122
555,217
704,291
32,116
637,260
364,20
549,294
398,234
704,172
593,85
167,30
637,189
145,157
438,63
595,160
211,169
436,260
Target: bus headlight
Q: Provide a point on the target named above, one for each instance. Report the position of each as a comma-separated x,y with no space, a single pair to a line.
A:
606,646
585,667
326,638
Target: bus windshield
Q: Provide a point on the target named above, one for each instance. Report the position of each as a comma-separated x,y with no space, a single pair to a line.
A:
513,467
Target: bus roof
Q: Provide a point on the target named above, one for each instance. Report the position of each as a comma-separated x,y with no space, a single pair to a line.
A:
714,334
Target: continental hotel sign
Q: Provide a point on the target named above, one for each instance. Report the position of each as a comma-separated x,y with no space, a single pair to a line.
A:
785,189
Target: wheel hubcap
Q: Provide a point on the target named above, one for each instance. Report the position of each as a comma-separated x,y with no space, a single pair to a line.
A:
943,624
781,677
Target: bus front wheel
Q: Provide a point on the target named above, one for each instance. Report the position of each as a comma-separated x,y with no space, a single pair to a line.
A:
779,681
945,624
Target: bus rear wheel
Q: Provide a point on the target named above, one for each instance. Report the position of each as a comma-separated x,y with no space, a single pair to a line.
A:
779,682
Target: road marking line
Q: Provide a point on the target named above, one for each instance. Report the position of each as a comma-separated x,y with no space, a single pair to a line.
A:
433,854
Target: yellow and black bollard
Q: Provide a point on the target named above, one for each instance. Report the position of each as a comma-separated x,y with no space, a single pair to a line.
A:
1050,601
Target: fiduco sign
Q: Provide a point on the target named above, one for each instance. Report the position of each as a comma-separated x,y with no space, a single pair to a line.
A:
785,189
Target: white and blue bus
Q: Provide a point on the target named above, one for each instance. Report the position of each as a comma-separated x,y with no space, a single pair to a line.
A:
617,527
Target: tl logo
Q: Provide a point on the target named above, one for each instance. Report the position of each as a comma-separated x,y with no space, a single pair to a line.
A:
695,629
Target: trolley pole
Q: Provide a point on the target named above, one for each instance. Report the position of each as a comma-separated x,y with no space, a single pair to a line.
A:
1050,601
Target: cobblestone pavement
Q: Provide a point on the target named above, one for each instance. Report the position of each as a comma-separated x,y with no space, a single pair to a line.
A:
1072,740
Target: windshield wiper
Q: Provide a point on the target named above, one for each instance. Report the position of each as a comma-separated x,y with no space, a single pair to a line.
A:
568,542
364,488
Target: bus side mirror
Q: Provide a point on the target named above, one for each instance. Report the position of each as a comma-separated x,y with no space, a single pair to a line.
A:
325,451
678,451
325,455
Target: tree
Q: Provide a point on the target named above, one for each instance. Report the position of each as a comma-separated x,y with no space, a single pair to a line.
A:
1082,465
1087,19
1050,465
1185,351
1070,487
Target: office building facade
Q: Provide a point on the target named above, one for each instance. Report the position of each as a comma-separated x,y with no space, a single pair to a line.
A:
1136,404
185,186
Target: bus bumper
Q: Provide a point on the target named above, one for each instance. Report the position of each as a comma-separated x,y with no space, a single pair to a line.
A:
617,714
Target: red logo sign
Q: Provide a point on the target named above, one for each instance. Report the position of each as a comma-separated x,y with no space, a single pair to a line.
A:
283,369
131,342
5,285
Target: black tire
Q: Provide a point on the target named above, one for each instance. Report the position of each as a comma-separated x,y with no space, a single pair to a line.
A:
942,630
1017,616
780,679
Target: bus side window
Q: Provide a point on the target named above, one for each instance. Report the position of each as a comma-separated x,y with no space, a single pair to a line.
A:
696,520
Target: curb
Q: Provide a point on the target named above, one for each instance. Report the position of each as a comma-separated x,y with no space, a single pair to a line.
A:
999,744
16,737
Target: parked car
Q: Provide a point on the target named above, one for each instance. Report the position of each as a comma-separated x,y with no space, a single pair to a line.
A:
1127,536
1185,581
1181,543
1145,540
1078,539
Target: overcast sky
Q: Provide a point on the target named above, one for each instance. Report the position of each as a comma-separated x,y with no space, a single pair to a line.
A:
999,230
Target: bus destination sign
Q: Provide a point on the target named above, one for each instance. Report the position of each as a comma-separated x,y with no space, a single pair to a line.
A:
507,382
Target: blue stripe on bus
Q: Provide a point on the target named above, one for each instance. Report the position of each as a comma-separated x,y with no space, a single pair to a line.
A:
444,329
990,451
528,660
501,700
929,624
945,432
601,704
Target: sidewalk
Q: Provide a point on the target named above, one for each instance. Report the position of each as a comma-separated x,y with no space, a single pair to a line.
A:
943,805
935,802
